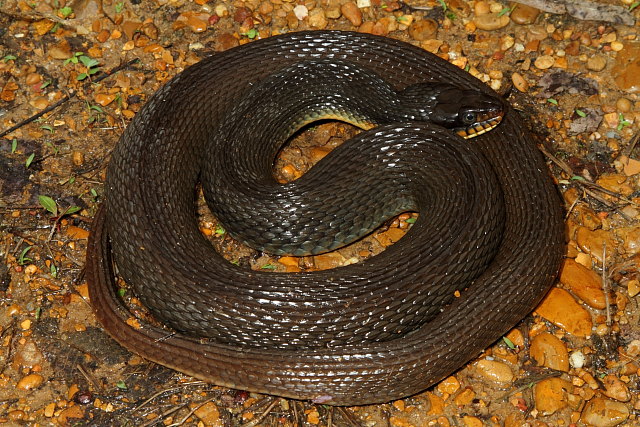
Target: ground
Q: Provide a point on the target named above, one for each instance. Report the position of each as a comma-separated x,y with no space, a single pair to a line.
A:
89,65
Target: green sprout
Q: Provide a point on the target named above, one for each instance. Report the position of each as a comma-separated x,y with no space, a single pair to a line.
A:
22,258
622,122
581,113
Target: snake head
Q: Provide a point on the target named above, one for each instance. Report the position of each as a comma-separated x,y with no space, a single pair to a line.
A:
467,112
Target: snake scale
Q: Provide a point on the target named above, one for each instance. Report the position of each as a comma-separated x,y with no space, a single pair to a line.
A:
371,332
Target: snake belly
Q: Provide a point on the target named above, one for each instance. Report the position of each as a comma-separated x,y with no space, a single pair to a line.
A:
360,334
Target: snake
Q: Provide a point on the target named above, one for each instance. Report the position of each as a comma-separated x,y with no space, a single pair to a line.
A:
484,251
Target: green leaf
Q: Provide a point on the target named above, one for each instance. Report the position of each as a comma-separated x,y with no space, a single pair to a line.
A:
252,33
121,385
443,4
88,62
634,5
504,11
45,84
29,160
509,343
9,58
122,292
22,258
581,113
71,210
219,230
268,267
411,220
48,203
53,270
38,313
119,6
14,145
577,178
66,11
82,76
47,127
552,101
622,122
97,108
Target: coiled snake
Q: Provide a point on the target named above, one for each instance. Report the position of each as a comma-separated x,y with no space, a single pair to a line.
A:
490,227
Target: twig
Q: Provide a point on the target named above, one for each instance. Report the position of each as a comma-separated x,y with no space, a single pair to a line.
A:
161,392
163,415
66,97
254,422
631,145
605,282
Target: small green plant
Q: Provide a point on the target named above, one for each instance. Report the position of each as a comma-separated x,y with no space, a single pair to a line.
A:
443,4
121,385
22,258
634,5
552,101
252,33
622,122
14,145
29,160
581,113
9,58
51,206
90,64
96,113
119,7
65,12
509,343
219,230
47,127
268,267
53,270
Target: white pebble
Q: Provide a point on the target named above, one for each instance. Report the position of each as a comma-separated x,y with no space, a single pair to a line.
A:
577,359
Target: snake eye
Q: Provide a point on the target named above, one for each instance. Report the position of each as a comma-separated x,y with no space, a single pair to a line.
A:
468,118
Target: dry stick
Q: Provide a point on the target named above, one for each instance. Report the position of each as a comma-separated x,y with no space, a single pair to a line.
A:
163,415
254,422
588,185
605,283
632,144
67,97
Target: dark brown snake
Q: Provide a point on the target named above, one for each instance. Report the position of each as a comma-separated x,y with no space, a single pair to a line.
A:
376,331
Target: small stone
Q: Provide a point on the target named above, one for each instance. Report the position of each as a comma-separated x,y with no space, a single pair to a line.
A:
597,62
129,28
30,382
351,11
221,10
465,397
519,82
633,288
209,414
631,236
559,308
77,232
197,22
61,50
494,371
449,385
470,421
423,29
491,21
583,282
301,12
363,3
549,351
328,260
591,242
616,389
550,395
43,26
573,48
623,105
577,359
611,119
617,46
481,8
459,7
318,19
524,15
104,99
544,62
77,158
603,412
226,41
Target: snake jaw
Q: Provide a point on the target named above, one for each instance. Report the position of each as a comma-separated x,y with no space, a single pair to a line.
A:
484,124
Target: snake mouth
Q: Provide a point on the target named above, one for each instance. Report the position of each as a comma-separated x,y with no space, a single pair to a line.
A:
484,124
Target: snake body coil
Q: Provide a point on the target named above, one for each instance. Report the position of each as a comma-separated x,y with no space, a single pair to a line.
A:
490,227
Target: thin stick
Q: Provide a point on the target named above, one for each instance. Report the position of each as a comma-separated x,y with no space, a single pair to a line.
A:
605,282
254,422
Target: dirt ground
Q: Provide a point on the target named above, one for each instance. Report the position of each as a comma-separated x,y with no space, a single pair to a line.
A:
87,66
